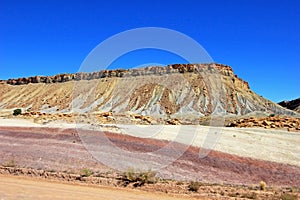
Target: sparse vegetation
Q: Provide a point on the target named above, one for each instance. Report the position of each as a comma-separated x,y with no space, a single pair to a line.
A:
194,186
139,177
262,185
251,195
10,163
17,112
179,183
288,197
234,194
86,172
191,189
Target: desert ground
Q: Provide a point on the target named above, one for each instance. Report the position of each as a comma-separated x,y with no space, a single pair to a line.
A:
25,188
222,156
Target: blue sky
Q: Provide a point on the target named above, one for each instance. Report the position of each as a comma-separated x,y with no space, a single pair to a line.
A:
259,39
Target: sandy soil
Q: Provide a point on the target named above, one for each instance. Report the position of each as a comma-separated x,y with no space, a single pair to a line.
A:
243,156
17,122
272,145
258,143
62,150
25,188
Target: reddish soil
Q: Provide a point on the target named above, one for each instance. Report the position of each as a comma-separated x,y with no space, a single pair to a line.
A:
62,149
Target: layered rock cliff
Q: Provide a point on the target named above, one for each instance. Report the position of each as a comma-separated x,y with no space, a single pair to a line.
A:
153,70
292,105
180,90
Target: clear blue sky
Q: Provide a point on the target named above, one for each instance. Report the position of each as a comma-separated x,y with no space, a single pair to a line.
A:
260,39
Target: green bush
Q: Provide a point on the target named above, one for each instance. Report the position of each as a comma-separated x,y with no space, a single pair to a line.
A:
272,115
86,172
17,112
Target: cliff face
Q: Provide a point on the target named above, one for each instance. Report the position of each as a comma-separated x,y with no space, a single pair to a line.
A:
292,105
176,90
119,73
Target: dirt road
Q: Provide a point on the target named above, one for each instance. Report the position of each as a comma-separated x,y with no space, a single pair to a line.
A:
30,188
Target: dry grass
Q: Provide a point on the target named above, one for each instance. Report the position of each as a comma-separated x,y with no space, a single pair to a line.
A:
10,163
194,186
288,197
139,177
262,185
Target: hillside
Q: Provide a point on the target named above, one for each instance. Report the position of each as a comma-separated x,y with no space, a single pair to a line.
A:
178,90
292,105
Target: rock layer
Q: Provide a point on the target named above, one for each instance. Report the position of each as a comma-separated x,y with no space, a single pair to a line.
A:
292,105
151,70
174,91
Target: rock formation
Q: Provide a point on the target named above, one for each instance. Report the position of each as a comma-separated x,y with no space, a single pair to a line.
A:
174,91
292,105
289,123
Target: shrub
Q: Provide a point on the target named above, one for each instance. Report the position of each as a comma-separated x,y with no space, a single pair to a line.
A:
288,197
140,177
249,196
86,173
262,185
180,183
272,115
194,186
10,163
17,112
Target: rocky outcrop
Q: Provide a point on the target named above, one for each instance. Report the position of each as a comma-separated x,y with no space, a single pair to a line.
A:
276,122
292,105
152,70
178,91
